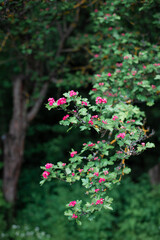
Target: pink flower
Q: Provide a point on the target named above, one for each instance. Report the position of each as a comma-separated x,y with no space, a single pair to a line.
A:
45,174
125,57
84,103
74,216
72,93
96,174
100,201
121,135
109,74
110,28
105,122
102,180
134,73
94,116
106,172
96,190
72,204
91,144
63,164
119,64
90,122
143,144
95,10
144,67
73,174
139,83
61,101
84,144
122,34
103,141
98,75
101,84
100,100
96,55
48,165
153,86
91,169
95,158
94,89
65,117
80,170
98,141
51,101
73,153
114,118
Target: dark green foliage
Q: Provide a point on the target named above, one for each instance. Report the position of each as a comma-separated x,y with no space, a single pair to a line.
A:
136,213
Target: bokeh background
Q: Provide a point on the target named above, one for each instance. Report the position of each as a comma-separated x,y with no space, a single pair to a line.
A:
46,48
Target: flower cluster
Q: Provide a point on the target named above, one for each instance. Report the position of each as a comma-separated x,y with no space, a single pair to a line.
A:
73,153
61,101
100,100
121,135
51,101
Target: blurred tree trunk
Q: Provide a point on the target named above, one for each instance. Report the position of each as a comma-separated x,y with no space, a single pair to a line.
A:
15,138
154,174
14,141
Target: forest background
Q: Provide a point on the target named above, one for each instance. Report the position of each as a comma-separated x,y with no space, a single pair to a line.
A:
47,48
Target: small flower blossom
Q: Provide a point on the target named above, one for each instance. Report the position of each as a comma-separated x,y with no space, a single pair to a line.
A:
95,10
144,66
98,75
84,103
101,84
139,83
102,180
109,74
143,144
114,118
63,164
90,122
105,122
91,169
95,158
100,100
94,116
65,117
105,172
80,170
72,93
153,86
73,153
98,141
125,57
74,216
121,135
96,190
45,174
134,73
61,101
72,204
103,141
91,144
73,174
51,101
100,201
94,89
96,55
48,165
96,174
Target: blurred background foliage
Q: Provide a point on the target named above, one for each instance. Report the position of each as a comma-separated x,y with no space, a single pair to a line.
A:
38,211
